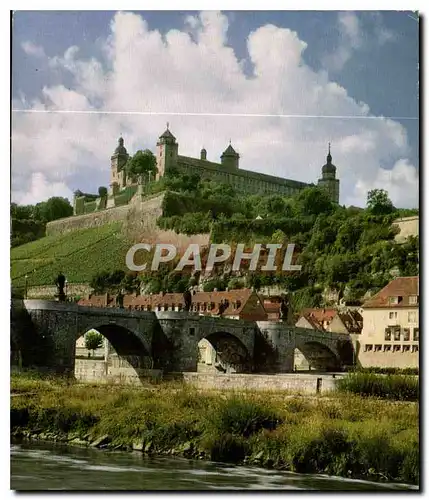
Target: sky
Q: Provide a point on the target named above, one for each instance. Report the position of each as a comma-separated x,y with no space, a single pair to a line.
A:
279,84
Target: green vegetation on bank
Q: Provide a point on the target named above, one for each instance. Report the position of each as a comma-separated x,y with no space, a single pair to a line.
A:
397,387
341,435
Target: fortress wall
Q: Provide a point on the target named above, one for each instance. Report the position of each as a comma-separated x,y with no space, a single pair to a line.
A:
95,219
139,218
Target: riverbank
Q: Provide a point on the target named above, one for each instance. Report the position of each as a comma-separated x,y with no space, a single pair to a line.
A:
343,435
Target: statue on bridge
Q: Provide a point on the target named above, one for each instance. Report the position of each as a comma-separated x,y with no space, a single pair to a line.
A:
284,309
60,283
187,297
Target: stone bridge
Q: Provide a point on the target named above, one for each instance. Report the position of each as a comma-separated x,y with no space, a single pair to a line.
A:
170,339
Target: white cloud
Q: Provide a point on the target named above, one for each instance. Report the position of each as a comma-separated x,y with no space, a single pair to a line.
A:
33,50
401,182
351,27
144,70
41,189
356,33
350,40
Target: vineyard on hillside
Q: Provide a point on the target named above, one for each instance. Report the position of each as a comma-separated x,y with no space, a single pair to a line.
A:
79,255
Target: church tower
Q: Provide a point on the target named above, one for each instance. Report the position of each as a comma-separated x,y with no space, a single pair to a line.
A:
230,157
118,176
167,151
328,180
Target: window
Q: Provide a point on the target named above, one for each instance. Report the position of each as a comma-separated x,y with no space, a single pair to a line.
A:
393,300
396,348
393,315
387,334
387,348
412,317
416,334
415,348
406,334
405,348
413,300
368,347
158,307
397,333
377,348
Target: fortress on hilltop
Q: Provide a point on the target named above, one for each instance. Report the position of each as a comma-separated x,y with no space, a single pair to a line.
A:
122,189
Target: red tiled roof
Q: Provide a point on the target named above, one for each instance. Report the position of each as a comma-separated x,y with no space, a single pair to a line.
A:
402,287
319,315
237,300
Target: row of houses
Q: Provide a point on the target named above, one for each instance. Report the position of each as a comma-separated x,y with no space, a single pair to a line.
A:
384,330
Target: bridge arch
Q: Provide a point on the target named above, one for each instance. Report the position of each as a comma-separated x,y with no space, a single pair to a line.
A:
123,340
318,356
223,351
125,356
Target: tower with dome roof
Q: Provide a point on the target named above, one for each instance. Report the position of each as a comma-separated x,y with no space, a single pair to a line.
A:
329,182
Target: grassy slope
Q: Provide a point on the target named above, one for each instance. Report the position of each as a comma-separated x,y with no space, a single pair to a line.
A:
343,435
79,255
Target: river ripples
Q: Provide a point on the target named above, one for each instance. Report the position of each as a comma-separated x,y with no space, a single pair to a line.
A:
41,466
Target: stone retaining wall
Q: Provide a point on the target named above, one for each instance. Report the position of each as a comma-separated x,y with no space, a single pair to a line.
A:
90,370
306,384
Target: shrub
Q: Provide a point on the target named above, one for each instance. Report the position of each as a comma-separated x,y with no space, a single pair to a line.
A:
227,448
398,387
241,418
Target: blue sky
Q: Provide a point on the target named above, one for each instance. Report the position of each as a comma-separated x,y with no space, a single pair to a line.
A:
312,63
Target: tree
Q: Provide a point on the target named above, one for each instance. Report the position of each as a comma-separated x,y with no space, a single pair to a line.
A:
142,163
313,201
93,340
52,209
378,202
102,191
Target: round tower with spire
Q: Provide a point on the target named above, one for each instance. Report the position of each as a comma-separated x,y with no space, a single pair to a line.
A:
167,152
328,180
230,157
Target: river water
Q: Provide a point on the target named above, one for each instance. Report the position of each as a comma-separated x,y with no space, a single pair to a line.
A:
41,466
